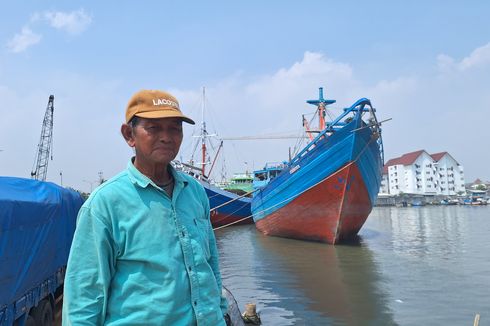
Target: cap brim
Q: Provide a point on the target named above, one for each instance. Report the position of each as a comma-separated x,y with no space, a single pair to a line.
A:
164,114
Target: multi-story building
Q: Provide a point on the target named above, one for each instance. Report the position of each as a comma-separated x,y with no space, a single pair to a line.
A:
424,174
450,174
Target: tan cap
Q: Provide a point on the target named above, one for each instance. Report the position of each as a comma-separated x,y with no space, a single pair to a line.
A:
154,104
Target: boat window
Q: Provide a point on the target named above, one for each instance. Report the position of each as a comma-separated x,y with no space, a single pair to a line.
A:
260,176
273,173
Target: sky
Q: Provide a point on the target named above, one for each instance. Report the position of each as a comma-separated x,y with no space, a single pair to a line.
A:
424,64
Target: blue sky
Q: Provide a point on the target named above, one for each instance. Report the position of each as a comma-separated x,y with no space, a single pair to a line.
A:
426,64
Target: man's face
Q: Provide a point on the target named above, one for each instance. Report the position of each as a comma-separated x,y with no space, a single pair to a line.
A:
157,141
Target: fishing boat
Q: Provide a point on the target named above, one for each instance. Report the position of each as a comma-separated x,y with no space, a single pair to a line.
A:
227,208
327,190
240,184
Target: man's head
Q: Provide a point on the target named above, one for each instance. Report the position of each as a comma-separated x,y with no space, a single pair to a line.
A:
154,127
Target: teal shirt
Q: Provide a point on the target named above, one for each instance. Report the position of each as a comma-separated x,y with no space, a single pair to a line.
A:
139,257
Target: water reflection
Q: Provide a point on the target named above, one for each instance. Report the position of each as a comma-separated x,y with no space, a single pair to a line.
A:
422,232
433,262
303,283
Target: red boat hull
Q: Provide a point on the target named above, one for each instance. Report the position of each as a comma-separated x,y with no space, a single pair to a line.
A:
219,219
331,211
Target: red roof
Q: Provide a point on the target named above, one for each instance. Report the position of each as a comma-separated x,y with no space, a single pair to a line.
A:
405,159
438,156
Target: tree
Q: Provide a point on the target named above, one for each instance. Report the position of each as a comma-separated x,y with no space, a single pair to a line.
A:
480,186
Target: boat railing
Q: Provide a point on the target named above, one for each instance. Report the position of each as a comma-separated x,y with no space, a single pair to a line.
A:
358,107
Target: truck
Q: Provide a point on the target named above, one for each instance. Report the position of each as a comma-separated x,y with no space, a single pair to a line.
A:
37,223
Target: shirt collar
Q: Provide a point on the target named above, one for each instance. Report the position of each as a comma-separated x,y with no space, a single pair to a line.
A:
143,181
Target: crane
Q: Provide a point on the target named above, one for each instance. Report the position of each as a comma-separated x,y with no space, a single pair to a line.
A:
40,166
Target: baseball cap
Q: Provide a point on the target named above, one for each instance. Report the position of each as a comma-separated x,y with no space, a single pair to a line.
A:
154,104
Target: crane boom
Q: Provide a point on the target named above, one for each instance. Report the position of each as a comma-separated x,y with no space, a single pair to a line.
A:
40,167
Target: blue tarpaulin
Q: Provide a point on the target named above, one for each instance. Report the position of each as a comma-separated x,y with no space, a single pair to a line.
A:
37,222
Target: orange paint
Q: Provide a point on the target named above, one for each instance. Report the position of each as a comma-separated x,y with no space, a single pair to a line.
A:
332,211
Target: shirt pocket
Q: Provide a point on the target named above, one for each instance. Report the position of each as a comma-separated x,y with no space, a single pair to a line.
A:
202,235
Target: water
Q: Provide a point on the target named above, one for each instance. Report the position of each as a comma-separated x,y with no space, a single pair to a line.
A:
411,266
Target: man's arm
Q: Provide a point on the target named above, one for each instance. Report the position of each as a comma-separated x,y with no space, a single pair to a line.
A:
89,271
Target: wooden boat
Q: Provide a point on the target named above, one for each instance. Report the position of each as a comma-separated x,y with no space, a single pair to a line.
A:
326,191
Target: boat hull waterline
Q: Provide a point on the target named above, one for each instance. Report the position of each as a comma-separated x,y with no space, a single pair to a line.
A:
226,207
332,211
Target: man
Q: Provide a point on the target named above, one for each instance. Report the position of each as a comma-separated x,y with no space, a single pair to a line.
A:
144,252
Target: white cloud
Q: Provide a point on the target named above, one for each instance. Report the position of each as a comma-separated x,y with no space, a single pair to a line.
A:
478,58
23,40
74,22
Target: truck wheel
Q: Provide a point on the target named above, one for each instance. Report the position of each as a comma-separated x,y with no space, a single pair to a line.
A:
30,321
43,313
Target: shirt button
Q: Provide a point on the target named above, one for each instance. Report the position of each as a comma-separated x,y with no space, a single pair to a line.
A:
195,302
190,269
183,233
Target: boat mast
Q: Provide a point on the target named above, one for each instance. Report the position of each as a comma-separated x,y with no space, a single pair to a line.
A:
203,133
321,104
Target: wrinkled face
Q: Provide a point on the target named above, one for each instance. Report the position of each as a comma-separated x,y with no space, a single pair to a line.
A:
156,141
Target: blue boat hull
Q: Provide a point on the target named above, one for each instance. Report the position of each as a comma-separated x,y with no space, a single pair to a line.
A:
227,207
326,194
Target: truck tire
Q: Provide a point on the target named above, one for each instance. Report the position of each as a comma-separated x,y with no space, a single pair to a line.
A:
43,313
30,321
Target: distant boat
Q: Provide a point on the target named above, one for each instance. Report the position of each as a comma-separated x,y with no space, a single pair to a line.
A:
325,192
226,207
240,184
449,201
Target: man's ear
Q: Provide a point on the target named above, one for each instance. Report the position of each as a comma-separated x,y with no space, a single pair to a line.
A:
127,133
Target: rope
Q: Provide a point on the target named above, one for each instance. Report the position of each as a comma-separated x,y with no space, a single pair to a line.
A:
235,222
230,201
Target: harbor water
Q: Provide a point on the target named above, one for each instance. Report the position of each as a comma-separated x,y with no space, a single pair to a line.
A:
410,266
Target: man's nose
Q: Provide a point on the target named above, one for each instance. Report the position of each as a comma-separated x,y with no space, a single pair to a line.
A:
164,136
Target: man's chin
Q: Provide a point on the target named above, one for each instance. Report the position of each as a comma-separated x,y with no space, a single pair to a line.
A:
164,159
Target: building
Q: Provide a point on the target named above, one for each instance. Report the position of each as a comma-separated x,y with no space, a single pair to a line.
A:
421,173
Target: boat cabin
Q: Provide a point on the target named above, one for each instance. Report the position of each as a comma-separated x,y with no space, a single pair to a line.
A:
269,172
241,183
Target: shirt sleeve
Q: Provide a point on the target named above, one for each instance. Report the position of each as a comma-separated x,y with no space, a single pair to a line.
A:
214,261
89,271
